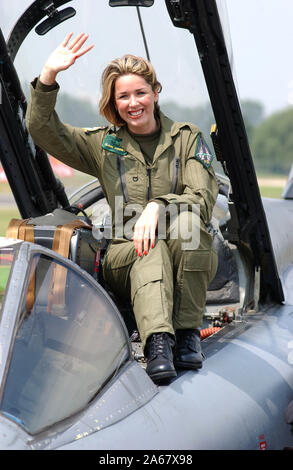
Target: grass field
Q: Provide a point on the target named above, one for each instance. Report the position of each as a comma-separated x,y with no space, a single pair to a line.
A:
5,216
4,274
271,191
272,186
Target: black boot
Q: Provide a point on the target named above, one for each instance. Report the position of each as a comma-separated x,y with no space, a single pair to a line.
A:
188,353
158,352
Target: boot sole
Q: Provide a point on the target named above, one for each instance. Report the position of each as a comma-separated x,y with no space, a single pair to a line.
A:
188,365
163,376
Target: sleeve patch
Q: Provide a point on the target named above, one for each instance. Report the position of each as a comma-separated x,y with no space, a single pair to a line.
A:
203,153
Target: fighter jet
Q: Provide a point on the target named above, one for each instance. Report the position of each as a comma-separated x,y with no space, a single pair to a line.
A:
72,372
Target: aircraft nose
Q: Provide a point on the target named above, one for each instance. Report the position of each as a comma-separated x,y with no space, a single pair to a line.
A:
12,437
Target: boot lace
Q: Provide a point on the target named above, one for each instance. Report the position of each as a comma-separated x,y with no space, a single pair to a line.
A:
159,344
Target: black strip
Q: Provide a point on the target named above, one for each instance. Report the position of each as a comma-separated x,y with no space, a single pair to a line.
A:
143,34
27,167
202,19
121,171
149,172
34,13
176,165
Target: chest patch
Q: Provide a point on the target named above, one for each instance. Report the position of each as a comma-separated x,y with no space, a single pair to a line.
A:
202,153
112,143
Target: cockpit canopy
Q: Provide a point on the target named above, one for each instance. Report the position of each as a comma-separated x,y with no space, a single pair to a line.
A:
62,338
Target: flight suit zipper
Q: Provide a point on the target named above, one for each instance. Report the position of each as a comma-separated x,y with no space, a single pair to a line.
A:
149,172
121,171
176,167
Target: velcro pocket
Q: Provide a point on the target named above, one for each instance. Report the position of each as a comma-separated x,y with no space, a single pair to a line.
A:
142,275
197,260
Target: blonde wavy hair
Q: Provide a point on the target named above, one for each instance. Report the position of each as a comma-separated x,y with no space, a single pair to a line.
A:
128,64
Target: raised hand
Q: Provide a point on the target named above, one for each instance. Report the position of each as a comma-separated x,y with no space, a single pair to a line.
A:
64,56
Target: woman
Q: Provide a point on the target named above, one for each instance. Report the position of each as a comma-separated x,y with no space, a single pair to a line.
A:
160,168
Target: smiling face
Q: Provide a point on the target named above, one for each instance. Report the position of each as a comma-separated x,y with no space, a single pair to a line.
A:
135,102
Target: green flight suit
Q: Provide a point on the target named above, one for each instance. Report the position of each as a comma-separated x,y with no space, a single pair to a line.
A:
167,286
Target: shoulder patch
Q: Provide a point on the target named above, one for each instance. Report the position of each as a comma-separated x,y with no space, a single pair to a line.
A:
94,130
112,143
203,153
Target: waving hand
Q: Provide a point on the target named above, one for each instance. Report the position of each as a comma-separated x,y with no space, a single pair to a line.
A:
64,56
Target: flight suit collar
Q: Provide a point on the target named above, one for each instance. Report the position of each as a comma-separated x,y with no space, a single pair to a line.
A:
130,145
169,130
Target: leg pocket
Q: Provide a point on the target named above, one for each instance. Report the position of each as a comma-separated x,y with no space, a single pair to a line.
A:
142,275
152,305
193,278
197,260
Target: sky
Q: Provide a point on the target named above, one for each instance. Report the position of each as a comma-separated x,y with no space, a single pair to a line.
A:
262,37
262,42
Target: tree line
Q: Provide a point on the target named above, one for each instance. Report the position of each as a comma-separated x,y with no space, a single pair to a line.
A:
270,138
